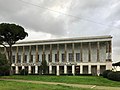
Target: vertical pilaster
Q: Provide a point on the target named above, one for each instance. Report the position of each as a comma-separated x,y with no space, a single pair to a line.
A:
29,69
98,70
16,54
16,69
57,52
73,47
30,54
36,69
36,54
89,59
98,51
23,67
43,56
81,52
89,69
73,69
23,54
65,69
58,73
65,52
81,69
50,69
50,52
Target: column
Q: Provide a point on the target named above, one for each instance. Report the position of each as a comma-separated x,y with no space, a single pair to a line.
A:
65,69
81,69
16,70
58,73
108,51
50,69
89,56
30,54
16,54
50,53
36,57
98,70
29,69
98,50
43,56
73,69
36,69
23,67
65,53
81,52
89,69
23,54
73,52
57,52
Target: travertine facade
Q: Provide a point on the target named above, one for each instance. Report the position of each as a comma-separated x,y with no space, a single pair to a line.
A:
86,55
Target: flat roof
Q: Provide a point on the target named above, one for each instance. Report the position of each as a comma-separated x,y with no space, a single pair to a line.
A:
65,40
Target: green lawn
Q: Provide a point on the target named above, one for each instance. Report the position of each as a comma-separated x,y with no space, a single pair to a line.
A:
7,85
88,80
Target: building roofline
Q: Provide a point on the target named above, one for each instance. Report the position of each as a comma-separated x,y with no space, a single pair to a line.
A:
66,39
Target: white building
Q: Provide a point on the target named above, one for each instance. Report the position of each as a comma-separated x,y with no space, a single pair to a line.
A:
86,55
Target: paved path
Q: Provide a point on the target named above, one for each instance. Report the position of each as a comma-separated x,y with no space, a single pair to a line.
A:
65,84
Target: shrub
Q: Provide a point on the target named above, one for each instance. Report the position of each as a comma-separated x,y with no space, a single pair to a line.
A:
105,73
23,72
114,76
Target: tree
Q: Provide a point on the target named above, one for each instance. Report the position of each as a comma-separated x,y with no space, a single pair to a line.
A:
9,35
44,66
4,66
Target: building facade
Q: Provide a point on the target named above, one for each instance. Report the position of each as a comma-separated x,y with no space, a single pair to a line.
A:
85,55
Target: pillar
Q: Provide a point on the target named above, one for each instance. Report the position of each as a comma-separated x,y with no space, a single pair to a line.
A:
23,67
36,57
81,69
57,52
65,53
81,52
89,56
29,69
73,53
73,69
58,72
50,69
36,69
89,69
98,70
65,69
50,53
98,50
23,54
30,54
16,54
16,70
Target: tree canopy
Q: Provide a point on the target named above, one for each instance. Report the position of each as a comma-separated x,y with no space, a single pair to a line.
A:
11,33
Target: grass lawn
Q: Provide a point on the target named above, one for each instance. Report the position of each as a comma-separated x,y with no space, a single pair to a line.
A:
7,85
88,80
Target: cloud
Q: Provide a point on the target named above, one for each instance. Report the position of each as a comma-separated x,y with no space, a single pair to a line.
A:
64,18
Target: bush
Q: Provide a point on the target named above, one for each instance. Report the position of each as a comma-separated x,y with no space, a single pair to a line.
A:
105,73
23,72
114,76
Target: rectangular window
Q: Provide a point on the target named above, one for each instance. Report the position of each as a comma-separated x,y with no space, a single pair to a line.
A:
70,57
63,57
25,59
77,57
13,59
56,58
19,58
49,58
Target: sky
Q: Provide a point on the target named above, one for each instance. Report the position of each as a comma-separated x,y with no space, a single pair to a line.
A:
48,19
